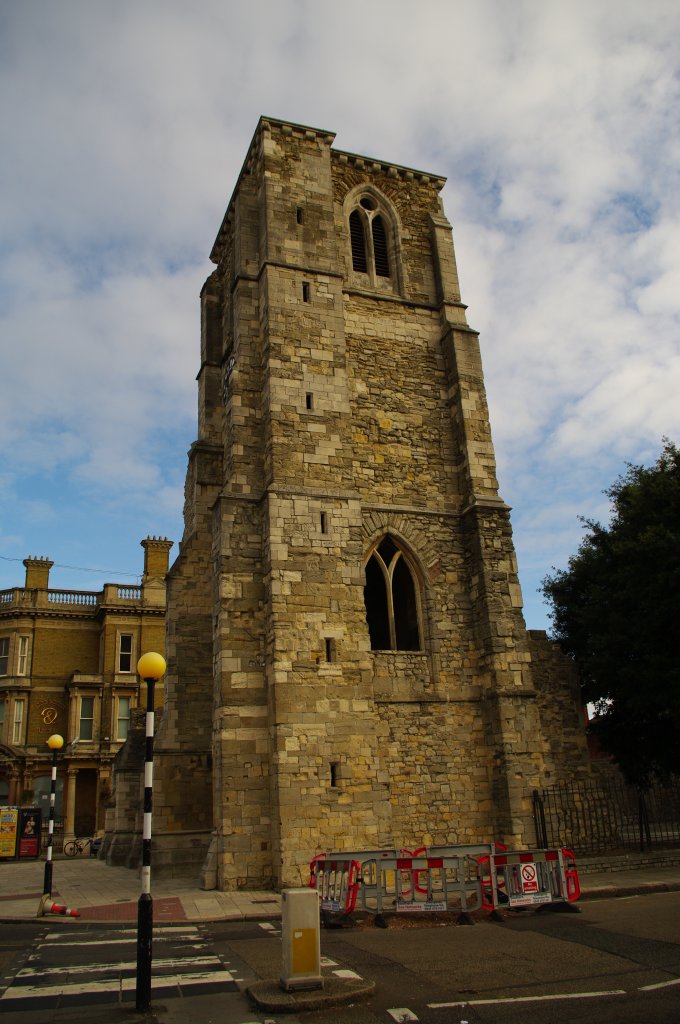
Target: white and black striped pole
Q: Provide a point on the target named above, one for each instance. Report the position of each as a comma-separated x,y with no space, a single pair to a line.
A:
151,668
55,743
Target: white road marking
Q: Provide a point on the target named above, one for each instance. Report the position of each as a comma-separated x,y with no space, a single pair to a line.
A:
401,1014
347,974
184,929
184,980
158,937
659,984
120,965
45,991
115,985
530,999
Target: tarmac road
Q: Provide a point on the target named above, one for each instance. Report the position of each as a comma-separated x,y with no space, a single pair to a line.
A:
539,967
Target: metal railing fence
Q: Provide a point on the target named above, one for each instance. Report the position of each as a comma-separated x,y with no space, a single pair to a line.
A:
601,816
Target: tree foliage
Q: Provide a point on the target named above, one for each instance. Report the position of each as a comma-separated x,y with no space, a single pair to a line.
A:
616,612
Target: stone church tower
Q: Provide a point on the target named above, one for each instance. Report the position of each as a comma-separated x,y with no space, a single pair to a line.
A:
348,662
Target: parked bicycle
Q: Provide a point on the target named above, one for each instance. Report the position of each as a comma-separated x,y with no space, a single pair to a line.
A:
78,847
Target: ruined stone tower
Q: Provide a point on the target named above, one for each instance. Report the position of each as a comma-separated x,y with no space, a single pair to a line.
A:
348,662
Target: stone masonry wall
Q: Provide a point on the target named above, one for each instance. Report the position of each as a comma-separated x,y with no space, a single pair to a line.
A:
336,407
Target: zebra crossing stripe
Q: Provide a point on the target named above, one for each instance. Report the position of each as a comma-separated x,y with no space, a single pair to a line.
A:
163,934
122,965
186,981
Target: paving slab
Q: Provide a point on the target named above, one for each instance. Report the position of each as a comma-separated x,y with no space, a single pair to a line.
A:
109,893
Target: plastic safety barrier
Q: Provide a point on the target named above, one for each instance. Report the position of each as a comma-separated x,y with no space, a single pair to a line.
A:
528,878
428,884
336,875
336,879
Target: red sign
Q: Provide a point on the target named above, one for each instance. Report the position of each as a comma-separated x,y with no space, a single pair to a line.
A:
529,878
29,832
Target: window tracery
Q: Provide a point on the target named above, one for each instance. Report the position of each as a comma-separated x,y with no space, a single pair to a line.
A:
373,241
392,599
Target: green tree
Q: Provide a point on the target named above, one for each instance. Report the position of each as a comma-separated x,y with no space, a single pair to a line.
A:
616,612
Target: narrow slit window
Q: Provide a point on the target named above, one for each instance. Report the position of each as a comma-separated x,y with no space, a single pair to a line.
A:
323,522
335,776
309,400
330,648
305,291
358,240
300,215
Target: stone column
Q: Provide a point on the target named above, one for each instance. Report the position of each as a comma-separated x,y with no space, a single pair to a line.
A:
13,787
27,785
70,803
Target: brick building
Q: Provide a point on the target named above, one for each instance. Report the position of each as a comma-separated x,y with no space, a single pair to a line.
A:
68,665
348,664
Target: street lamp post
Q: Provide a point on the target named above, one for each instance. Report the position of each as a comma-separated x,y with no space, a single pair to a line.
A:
55,743
151,667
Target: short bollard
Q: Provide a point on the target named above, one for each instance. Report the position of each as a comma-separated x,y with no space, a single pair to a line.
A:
301,941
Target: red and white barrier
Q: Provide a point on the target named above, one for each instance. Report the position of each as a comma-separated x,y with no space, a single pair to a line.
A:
446,878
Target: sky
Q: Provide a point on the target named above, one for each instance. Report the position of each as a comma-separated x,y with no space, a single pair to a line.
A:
124,127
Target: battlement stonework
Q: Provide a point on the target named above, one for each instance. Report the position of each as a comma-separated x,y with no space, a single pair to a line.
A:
348,661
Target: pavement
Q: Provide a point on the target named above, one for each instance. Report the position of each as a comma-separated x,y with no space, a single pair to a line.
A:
110,894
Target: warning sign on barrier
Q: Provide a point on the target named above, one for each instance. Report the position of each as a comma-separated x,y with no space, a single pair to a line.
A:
421,908
529,878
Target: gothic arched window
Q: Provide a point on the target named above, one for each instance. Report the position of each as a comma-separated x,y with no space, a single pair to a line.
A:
391,598
369,236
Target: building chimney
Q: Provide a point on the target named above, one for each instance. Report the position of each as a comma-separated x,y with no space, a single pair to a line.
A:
156,557
37,573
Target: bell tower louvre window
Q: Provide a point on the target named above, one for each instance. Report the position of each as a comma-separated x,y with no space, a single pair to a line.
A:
382,263
358,239
391,598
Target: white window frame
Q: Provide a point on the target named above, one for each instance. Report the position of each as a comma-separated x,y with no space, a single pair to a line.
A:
22,655
130,654
4,655
3,705
118,718
18,722
81,719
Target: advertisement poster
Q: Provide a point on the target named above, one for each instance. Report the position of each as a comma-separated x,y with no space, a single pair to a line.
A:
9,820
29,832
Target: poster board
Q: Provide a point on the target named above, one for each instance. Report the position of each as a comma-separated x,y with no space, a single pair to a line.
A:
30,821
9,827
